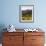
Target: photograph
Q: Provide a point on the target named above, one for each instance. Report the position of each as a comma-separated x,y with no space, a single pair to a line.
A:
26,13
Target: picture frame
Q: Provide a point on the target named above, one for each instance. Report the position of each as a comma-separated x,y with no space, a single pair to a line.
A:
26,13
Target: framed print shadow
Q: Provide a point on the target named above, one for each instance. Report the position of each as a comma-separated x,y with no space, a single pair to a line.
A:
26,13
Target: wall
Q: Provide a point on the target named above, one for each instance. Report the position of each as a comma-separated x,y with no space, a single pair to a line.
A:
10,13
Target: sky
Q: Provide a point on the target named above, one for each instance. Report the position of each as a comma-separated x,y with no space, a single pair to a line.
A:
26,7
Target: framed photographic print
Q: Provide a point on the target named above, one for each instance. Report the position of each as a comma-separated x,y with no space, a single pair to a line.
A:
26,13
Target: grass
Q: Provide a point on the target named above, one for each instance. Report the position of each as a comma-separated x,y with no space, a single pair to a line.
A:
27,17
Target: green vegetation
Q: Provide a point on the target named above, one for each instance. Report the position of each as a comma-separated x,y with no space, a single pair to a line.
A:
27,15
